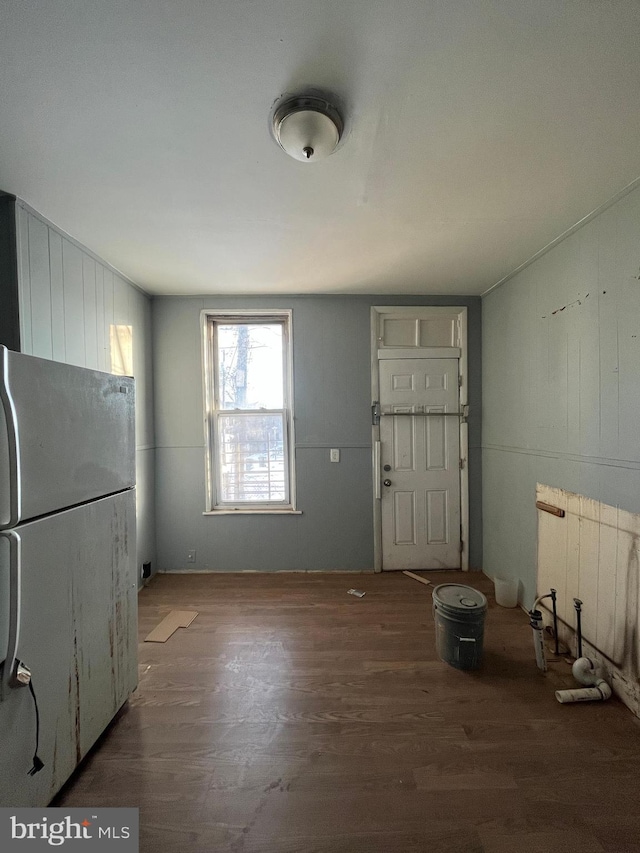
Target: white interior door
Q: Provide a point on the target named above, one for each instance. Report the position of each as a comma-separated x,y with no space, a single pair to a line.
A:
420,463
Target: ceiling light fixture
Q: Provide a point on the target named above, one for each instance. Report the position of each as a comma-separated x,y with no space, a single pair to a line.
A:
308,128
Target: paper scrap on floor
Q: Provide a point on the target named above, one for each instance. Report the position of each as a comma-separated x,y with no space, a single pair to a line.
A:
357,592
170,624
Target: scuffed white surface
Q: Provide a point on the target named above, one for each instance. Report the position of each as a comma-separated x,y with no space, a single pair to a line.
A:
593,554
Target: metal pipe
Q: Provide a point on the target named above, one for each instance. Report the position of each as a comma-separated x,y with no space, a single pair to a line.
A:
555,621
578,606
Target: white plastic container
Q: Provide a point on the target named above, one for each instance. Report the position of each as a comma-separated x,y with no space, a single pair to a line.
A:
506,590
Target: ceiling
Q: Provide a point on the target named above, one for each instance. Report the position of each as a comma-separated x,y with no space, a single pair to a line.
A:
478,131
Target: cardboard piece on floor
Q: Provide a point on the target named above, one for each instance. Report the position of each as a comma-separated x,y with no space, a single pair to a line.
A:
170,624
417,578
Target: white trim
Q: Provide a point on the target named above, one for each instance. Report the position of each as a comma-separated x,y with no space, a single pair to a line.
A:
322,446
266,511
266,572
571,230
463,373
419,352
207,358
419,310
284,315
629,464
423,352
247,312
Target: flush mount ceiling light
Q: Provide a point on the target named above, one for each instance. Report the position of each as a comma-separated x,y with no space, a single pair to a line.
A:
308,128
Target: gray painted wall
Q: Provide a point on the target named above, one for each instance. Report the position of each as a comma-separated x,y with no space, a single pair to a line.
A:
332,379
67,300
561,385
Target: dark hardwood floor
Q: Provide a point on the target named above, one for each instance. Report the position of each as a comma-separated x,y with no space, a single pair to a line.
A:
291,717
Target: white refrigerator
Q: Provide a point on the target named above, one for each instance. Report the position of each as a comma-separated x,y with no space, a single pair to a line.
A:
68,580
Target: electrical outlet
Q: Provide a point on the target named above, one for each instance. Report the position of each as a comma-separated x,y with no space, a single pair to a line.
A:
334,455
191,556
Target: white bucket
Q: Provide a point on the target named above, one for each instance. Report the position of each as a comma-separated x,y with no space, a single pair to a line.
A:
459,613
506,591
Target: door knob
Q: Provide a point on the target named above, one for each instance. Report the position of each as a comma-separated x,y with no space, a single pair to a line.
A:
387,482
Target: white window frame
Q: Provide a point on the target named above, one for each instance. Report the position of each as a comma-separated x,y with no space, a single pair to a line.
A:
209,317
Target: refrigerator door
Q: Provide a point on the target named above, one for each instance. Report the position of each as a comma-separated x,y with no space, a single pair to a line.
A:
66,436
77,634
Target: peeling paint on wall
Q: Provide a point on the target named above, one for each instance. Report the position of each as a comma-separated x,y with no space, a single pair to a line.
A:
575,303
593,553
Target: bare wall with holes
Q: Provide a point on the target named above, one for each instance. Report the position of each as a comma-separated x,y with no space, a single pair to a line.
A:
561,385
332,390
64,303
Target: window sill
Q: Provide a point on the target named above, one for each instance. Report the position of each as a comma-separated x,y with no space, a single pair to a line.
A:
253,512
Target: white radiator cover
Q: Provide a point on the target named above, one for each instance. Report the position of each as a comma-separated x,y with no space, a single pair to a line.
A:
593,554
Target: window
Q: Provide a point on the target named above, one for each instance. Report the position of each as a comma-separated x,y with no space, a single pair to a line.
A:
249,412
121,348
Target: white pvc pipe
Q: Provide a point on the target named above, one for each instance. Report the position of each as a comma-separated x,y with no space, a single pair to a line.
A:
584,671
601,691
596,689
538,600
538,640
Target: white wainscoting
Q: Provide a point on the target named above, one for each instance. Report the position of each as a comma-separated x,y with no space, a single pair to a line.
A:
593,554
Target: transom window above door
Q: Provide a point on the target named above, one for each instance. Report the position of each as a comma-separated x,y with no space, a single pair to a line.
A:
249,412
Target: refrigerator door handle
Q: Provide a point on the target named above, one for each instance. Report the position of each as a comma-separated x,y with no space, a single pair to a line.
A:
15,589
13,441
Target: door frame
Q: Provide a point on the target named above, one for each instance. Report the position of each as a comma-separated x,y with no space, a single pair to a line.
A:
423,312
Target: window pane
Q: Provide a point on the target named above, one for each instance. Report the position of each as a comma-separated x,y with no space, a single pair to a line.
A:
251,458
121,348
250,370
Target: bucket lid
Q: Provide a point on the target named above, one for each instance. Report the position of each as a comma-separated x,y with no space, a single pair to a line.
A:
459,596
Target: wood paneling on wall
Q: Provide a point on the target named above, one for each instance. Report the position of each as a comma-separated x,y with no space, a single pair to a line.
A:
561,385
593,554
68,300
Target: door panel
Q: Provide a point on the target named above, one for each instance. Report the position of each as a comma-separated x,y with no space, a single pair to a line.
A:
404,443
421,506
442,331
404,518
437,517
